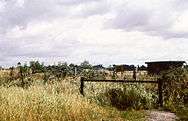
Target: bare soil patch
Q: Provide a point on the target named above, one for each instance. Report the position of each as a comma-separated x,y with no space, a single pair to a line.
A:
161,116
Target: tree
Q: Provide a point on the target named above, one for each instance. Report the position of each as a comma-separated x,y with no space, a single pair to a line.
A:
36,67
86,65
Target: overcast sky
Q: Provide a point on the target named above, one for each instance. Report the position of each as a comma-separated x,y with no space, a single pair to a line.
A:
100,31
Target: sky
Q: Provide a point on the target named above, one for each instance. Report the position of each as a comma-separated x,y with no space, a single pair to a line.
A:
100,31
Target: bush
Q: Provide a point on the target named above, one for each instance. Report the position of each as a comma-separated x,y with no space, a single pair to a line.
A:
174,88
93,74
131,96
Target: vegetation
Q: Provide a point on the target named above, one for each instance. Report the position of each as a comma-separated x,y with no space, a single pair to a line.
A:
182,113
133,115
131,97
48,103
39,92
175,88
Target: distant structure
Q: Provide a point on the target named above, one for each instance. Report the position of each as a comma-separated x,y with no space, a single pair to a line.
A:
121,68
98,67
142,68
154,68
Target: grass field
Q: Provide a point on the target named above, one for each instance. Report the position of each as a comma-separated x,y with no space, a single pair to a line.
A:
60,100
56,101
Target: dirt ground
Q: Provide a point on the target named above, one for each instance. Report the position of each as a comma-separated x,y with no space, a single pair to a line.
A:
161,116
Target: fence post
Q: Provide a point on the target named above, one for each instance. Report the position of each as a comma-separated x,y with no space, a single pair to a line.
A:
82,86
160,92
134,73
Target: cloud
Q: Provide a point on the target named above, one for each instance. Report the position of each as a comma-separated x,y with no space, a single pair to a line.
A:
101,31
76,2
19,13
154,18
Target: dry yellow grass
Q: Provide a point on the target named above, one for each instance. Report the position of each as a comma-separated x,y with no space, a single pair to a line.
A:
4,73
56,102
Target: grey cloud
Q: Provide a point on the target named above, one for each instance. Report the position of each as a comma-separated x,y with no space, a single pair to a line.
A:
150,20
153,21
43,47
180,5
169,34
13,14
75,2
97,7
130,19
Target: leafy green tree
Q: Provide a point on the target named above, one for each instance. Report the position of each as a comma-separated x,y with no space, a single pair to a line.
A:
86,65
36,67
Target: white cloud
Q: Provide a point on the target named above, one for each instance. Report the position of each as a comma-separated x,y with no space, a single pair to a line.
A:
181,25
101,31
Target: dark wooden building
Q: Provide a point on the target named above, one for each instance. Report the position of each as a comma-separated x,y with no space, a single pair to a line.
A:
124,67
159,66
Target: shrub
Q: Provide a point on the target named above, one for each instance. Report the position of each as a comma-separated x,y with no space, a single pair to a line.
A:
131,96
93,74
174,88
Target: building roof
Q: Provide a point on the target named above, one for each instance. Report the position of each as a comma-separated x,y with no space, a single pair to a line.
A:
156,67
158,62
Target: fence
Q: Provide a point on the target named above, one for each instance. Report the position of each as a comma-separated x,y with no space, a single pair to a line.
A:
159,82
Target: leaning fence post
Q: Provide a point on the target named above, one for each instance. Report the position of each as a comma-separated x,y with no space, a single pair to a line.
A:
82,86
160,92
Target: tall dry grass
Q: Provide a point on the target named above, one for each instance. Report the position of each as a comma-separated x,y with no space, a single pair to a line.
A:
57,101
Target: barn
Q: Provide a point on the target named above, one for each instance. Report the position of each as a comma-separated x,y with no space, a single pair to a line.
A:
155,68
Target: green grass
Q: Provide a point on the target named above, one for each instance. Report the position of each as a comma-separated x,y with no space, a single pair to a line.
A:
133,115
182,113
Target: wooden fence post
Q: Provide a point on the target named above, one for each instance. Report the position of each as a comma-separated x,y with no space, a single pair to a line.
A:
160,92
82,86
134,73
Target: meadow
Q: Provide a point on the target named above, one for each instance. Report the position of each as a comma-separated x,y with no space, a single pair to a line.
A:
48,96
55,101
